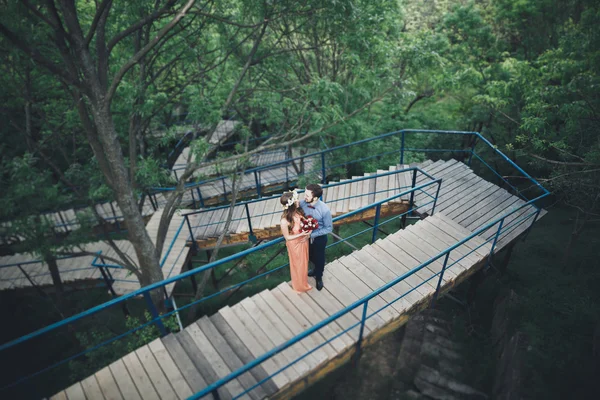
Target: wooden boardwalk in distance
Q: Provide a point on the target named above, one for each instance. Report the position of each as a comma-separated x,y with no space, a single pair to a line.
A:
180,364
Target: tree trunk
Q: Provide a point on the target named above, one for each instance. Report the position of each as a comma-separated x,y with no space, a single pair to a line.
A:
145,249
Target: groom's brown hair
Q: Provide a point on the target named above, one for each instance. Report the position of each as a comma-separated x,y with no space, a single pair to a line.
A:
316,190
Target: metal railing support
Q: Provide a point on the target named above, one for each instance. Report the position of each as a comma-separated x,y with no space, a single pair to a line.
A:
437,193
362,329
472,150
154,312
439,284
489,260
537,214
194,244
376,223
251,236
200,199
256,180
402,149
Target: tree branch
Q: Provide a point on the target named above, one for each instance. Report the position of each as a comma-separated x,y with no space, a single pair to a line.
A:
97,16
571,164
133,60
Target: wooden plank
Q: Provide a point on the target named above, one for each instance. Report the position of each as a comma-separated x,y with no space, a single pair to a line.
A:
392,182
381,271
413,245
459,233
295,352
346,298
332,196
331,305
363,200
374,282
126,385
381,187
256,347
258,210
469,257
265,220
202,365
388,249
108,384
484,208
214,361
75,392
355,188
280,321
360,289
259,373
501,209
91,388
344,203
266,300
230,358
296,305
155,373
283,359
192,376
469,197
59,396
139,377
430,241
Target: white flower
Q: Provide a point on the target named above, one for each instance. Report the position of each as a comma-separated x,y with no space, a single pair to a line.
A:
292,199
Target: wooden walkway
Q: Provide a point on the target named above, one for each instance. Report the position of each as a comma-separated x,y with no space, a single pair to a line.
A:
81,268
180,364
268,179
266,214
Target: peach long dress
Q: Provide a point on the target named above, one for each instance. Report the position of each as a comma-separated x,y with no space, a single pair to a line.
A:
298,255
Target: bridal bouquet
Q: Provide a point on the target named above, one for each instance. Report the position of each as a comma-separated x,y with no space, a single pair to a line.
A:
308,224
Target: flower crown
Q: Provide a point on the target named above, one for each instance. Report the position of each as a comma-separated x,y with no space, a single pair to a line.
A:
292,199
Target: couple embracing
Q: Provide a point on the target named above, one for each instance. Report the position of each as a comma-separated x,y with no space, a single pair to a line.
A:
305,225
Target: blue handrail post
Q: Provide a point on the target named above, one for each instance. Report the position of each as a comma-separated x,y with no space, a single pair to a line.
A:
216,395
154,313
175,172
437,193
194,244
402,149
200,196
439,284
489,260
224,189
412,194
362,329
376,223
257,184
194,199
107,281
472,150
537,214
251,236
323,173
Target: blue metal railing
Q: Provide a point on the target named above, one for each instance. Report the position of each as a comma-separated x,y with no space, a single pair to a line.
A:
319,158
145,291
364,302
502,231
246,210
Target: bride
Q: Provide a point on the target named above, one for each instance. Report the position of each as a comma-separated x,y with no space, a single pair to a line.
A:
296,241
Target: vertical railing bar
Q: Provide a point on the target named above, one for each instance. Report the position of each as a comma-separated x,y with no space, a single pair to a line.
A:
439,284
376,223
200,196
437,193
494,243
154,312
402,150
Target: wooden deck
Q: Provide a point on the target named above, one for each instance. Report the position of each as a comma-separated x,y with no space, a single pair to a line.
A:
266,214
180,364
270,179
81,268
185,362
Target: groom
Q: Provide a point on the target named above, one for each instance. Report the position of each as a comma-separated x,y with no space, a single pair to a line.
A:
311,205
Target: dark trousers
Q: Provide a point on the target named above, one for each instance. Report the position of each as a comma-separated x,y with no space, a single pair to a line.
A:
316,254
